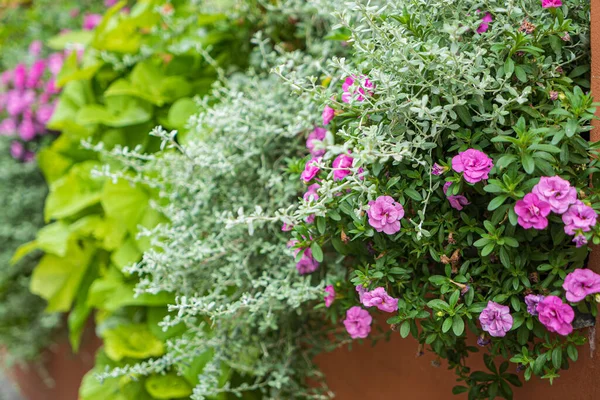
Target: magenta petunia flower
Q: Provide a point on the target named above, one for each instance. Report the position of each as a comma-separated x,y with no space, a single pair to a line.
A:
495,319
379,298
532,301
317,135
580,283
437,169
551,3
329,295
311,169
457,201
55,63
557,192
20,76
555,315
360,289
286,227
35,74
579,217
580,240
385,214
341,166
44,113
358,322
474,164
328,114
90,21
307,263
311,193
35,48
532,212
351,88
485,23
310,219
27,129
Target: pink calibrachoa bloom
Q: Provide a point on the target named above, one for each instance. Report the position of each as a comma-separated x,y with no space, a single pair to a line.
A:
286,227
360,289
328,114
437,169
20,76
341,166
579,217
385,214
580,240
310,219
485,23
474,164
557,192
532,300
317,135
379,298
457,201
27,129
358,322
307,263
351,88
35,48
90,21
532,212
580,283
311,169
44,113
329,295
495,319
555,315
311,193
8,127
55,63
551,3
35,73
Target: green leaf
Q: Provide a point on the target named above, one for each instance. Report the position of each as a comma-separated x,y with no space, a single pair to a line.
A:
413,194
133,340
528,163
557,357
53,238
317,253
181,111
572,352
447,324
458,325
70,38
497,202
438,304
405,329
124,202
168,386
571,127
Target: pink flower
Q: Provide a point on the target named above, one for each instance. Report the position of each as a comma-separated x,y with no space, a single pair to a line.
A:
551,3
8,127
379,298
6,77
328,114
310,219
485,23
555,315
350,89
553,95
580,240
20,76
581,282
358,322
457,201
74,12
36,72
27,129
55,63
341,166
360,289
17,150
90,21
557,192
44,113
532,300
385,214
307,263
110,3
286,227
579,217
329,295
311,169
311,193
35,48
495,319
437,169
475,164
532,212
317,135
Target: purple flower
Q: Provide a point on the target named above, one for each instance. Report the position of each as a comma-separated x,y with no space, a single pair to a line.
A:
358,322
485,23
329,295
553,95
17,150
532,301
495,319
350,89
27,129
55,63
90,21
532,212
44,113
360,289
581,282
317,135
379,298
557,192
311,193
310,219
555,315
20,76
457,201
437,169
35,73
475,164
328,114
483,340
307,263
579,217
311,169
286,227
35,48
551,3
385,214
8,127
580,240
341,166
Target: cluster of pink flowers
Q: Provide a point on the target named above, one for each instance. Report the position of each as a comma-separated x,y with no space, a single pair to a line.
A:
385,214
379,298
358,321
28,97
555,194
354,89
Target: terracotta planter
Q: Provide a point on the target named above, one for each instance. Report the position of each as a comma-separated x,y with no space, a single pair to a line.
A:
391,370
59,374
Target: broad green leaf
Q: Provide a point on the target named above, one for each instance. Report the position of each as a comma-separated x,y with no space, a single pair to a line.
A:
168,386
133,340
124,202
181,111
64,39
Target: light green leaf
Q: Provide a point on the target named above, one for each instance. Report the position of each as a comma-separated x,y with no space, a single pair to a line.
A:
168,386
134,341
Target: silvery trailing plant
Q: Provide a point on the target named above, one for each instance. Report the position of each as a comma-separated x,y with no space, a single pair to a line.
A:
448,184
245,317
